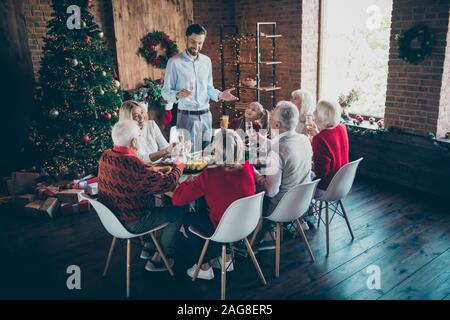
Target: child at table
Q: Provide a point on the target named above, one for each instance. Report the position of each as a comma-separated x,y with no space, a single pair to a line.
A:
255,114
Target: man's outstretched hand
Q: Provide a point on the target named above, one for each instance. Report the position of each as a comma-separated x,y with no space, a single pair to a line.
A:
227,95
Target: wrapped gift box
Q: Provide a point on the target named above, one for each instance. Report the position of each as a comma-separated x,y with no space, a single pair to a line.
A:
70,195
22,182
83,206
44,191
22,200
92,189
42,208
83,183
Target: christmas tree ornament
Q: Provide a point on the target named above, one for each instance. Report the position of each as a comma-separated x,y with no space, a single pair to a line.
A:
74,62
87,40
89,4
53,113
115,114
104,73
101,92
114,89
116,83
70,85
108,116
116,109
86,138
63,49
101,34
90,100
115,76
66,104
83,24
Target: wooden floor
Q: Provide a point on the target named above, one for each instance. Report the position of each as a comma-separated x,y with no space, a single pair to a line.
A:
406,236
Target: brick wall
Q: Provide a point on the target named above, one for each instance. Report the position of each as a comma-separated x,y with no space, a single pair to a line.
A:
444,107
413,91
38,12
212,14
288,16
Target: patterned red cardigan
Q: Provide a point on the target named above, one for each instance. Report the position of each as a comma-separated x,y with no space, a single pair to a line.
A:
126,183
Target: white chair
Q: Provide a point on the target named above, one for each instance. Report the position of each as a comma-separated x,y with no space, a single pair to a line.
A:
294,204
238,221
117,230
337,190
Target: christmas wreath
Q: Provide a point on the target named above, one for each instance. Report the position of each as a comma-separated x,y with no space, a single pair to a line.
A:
415,44
157,48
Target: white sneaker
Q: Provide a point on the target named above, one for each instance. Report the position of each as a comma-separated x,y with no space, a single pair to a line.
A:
304,225
202,274
147,252
158,266
216,263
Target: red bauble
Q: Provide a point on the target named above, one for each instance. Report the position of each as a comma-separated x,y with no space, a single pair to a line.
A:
116,109
108,116
70,85
86,138
63,49
87,39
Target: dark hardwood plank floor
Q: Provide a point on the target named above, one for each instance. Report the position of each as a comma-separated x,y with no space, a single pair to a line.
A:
406,235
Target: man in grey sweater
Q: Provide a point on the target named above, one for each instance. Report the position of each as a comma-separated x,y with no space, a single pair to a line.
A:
289,161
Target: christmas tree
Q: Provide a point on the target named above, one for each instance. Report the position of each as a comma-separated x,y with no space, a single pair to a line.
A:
81,95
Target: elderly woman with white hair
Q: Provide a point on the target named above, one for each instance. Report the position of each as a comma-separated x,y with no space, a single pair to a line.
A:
304,101
330,141
231,180
152,144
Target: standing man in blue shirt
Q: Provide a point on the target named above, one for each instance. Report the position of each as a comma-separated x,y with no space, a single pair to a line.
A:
188,82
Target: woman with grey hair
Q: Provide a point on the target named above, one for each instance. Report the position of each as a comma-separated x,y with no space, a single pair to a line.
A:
304,101
152,144
330,141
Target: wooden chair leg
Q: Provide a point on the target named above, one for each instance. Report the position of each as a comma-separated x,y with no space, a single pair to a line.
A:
161,253
223,282
255,262
346,219
108,260
277,249
305,240
327,227
200,260
128,266
255,233
320,213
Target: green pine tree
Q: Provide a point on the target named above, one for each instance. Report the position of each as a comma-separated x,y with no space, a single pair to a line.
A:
80,94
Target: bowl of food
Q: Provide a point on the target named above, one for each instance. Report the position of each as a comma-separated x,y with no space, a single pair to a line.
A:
195,166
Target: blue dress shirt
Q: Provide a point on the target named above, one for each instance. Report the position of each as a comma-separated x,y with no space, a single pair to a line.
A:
182,72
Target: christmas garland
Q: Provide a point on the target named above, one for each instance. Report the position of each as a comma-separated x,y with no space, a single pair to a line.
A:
157,49
415,55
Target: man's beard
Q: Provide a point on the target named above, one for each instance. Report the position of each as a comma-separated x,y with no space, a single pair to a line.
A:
192,53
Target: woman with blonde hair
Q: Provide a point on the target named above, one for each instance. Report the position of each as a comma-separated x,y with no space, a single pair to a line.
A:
329,143
304,101
229,181
152,144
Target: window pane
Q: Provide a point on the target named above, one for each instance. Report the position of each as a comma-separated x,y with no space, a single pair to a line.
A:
355,52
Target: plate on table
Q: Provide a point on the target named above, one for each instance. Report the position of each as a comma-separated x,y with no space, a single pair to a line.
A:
195,166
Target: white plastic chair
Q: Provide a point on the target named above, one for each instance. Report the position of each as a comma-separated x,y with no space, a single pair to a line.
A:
337,190
118,231
294,204
238,221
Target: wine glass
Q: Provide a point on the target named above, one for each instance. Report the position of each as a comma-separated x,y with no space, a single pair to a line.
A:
309,123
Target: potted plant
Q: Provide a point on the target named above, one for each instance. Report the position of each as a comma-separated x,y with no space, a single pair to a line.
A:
346,100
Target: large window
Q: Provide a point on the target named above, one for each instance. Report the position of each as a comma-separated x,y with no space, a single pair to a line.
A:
355,51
